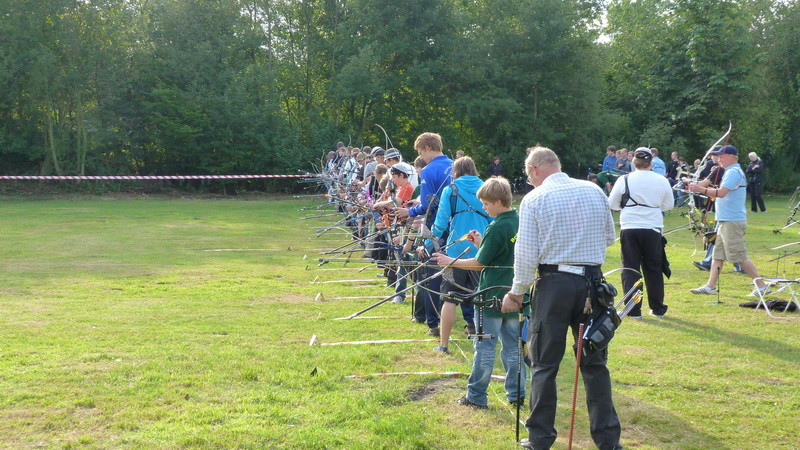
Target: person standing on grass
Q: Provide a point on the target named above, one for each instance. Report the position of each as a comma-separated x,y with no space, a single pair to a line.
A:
495,169
435,177
459,212
642,223
755,170
565,226
731,218
400,174
495,260
610,160
622,165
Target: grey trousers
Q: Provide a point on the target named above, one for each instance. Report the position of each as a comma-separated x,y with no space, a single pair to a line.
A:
557,304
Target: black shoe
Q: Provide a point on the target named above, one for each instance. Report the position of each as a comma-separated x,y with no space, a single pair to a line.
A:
463,401
521,402
701,266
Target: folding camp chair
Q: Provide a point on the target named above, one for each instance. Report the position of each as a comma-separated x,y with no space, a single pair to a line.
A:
777,286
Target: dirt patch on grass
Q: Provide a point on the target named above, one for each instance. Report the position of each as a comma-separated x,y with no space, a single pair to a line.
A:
429,390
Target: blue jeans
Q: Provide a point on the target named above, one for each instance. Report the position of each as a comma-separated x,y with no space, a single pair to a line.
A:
507,329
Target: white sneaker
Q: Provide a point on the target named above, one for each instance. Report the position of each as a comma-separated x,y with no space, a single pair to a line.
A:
704,289
760,292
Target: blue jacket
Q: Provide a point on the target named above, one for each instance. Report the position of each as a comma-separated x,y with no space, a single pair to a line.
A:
435,177
608,163
461,217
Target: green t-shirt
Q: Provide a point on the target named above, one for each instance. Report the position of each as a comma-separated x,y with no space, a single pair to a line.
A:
607,177
497,249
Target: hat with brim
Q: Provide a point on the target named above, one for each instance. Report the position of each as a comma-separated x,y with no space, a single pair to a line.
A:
643,152
403,168
726,150
394,153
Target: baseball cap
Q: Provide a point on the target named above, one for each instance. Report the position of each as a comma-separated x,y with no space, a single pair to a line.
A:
726,150
643,152
377,151
403,167
393,153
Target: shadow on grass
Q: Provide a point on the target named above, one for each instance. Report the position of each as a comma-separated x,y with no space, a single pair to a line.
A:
775,348
647,425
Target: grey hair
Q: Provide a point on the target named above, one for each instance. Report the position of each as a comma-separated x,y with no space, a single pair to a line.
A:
752,155
542,156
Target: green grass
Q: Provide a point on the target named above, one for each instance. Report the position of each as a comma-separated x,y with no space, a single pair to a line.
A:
118,329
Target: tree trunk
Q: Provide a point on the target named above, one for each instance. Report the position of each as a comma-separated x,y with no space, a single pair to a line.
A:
81,137
51,140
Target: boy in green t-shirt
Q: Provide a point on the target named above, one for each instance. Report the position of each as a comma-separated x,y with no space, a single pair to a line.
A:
495,260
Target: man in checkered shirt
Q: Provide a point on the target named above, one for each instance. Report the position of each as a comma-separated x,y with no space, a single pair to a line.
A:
564,228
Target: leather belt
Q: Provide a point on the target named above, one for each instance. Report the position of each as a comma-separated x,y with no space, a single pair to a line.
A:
571,269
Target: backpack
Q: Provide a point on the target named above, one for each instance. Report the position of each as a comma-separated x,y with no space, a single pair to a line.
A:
454,196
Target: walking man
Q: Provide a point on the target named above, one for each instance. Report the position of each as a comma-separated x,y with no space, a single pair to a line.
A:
565,226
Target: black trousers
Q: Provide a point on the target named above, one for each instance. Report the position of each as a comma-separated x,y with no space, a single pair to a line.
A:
558,303
754,189
642,250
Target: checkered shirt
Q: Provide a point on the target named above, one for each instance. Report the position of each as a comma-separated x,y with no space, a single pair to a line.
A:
563,221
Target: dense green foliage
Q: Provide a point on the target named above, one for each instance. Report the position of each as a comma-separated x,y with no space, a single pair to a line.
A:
265,86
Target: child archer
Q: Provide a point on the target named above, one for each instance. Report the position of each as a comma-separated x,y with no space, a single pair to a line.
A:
495,260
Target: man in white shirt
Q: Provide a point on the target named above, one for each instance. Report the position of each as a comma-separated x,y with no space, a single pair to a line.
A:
564,228
642,223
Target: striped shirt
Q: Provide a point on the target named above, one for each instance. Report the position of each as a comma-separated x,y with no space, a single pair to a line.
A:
563,221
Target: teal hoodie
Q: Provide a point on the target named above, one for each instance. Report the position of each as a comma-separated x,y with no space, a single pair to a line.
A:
461,215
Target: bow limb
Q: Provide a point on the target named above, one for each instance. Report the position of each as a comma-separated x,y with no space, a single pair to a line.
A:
705,160
386,135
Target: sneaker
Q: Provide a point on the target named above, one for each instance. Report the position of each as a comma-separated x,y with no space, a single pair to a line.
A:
416,320
704,289
470,329
398,300
701,266
526,444
464,401
439,348
760,292
660,316
639,317
433,332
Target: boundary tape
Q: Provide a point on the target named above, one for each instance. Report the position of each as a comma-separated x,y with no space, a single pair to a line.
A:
146,177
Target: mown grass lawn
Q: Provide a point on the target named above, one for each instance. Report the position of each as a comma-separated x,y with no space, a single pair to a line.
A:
118,328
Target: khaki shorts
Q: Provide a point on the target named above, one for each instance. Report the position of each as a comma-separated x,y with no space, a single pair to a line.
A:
730,245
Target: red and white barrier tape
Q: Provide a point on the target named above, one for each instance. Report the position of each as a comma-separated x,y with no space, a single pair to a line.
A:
147,177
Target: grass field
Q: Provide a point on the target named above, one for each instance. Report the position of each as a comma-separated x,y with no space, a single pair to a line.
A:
118,328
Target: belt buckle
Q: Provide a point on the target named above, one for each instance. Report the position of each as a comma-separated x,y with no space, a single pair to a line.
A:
575,270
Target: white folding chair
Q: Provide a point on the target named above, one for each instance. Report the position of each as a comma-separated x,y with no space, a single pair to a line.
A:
777,286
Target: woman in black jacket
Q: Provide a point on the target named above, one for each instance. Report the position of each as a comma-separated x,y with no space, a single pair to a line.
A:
755,172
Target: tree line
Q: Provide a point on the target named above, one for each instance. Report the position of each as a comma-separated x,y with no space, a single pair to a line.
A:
266,86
